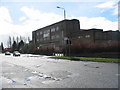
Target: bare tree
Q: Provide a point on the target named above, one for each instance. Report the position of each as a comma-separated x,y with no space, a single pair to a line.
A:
24,39
28,39
9,42
14,46
13,39
20,38
17,39
2,47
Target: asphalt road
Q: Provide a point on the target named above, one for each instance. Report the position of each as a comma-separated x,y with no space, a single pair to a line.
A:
35,71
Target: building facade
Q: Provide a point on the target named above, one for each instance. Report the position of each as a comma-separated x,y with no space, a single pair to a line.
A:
111,35
57,34
88,36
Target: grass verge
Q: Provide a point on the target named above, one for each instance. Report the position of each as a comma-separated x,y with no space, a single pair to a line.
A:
87,59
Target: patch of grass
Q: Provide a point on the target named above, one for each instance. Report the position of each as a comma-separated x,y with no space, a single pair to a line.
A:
87,59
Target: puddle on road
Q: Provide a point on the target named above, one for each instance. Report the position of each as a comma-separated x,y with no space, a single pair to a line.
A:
7,80
32,76
43,78
40,79
47,79
24,74
61,74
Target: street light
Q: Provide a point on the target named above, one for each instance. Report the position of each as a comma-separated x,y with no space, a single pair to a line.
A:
64,11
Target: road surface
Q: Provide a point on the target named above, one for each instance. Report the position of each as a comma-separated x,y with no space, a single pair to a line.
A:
37,71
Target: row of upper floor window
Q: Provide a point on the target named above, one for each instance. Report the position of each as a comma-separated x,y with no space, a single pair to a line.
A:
53,37
97,37
84,36
55,29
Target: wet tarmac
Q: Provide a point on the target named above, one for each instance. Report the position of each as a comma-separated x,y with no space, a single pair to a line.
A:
35,71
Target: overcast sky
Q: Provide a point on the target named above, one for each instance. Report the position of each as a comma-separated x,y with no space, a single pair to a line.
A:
21,17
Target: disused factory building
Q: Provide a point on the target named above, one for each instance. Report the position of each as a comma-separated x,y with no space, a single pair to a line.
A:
88,36
69,32
57,34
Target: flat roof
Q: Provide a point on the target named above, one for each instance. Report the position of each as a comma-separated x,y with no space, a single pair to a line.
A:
56,23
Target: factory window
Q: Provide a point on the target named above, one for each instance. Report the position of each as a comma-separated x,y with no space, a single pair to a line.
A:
53,30
57,28
44,38
52,37
37,34
40,39
55,37
46,31
87,36
80,36
46,35
37,40
41,33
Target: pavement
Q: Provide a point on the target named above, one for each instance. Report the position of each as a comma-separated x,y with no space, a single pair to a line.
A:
38,71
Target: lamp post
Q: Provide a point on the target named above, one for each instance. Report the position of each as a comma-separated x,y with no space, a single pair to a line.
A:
64,11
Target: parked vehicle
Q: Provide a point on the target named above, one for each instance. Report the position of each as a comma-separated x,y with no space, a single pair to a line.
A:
7,53
16,53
